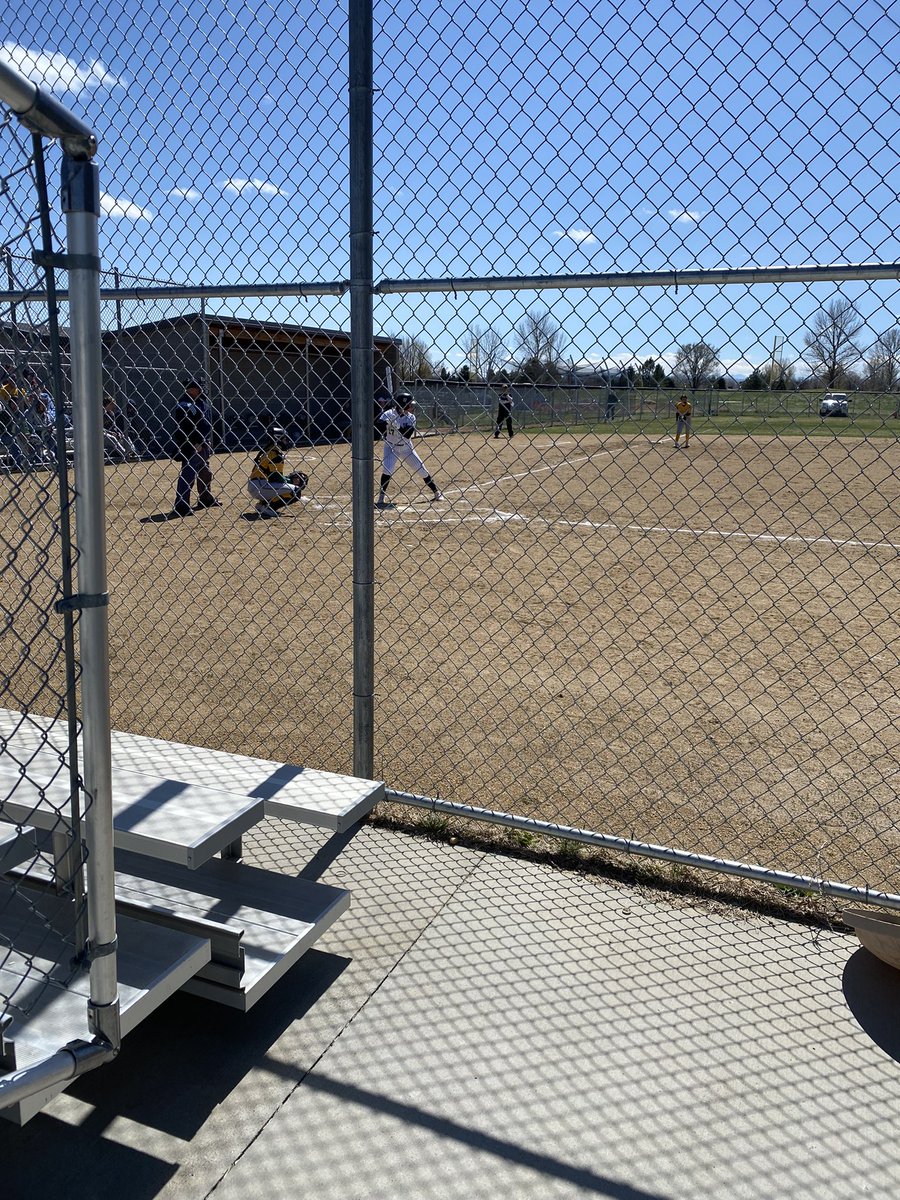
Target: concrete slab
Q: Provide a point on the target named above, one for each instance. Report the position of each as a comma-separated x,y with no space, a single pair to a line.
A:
485,1027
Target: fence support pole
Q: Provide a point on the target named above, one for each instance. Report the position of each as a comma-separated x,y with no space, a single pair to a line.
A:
81,204
362,386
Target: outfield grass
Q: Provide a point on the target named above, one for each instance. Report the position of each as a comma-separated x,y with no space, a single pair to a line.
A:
782,425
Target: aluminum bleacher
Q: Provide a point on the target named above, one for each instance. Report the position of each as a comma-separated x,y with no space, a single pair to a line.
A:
186,919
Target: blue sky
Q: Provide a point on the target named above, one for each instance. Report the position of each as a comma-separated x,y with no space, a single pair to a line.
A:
509,139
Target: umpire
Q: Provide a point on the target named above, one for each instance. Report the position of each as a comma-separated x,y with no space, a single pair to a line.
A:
504,411
193,438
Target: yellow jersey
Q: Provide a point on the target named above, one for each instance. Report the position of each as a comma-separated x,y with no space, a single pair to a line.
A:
269,464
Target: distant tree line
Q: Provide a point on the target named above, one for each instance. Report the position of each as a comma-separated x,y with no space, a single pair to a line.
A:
833,357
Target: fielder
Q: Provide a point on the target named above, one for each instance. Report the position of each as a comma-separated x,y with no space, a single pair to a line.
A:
268,485
683,411
399,424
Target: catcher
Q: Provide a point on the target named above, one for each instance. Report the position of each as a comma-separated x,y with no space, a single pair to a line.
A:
269,486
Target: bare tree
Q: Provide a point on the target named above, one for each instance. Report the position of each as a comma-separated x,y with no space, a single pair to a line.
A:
485,352
831,341
539,352
695,364
883,363
414,360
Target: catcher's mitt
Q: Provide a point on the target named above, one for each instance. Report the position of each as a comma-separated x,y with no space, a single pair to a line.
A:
298,479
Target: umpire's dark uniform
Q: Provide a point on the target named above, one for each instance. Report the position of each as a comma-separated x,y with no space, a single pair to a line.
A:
193,438
504,414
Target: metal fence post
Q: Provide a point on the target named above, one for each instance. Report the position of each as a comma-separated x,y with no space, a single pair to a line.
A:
362,385
81,205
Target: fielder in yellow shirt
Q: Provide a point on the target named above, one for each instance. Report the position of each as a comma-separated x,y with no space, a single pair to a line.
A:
683,411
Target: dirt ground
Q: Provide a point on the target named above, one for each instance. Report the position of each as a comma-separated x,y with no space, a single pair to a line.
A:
694,648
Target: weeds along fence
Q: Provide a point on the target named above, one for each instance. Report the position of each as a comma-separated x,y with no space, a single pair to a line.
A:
57,915
682,649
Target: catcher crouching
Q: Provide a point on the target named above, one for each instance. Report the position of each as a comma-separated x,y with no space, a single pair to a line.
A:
269,485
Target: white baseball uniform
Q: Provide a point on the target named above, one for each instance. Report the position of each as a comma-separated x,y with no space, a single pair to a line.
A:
398,430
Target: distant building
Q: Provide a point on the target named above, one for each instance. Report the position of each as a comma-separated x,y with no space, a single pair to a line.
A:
253,372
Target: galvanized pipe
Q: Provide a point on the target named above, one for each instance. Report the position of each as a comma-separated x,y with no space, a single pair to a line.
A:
74,1059
81,204
838,273
605,841
44,115
362,383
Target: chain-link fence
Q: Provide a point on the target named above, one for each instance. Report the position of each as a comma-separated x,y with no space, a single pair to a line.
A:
54,809
638,272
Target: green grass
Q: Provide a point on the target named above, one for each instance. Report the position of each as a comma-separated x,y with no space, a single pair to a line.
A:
782,425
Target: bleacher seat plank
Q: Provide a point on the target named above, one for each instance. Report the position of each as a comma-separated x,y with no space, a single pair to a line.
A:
280,916
163,817
152,963
292,793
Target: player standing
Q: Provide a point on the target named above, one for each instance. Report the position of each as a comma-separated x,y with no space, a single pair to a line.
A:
683,410
398,423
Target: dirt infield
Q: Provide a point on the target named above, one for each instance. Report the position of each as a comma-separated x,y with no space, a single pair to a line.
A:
696,648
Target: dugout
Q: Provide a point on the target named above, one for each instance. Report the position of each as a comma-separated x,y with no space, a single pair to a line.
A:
252,371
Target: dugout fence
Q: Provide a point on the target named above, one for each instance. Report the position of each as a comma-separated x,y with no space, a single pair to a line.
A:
599,633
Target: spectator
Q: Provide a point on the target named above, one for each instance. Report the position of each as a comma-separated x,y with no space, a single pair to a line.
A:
117,446
45,419
12,401
612,403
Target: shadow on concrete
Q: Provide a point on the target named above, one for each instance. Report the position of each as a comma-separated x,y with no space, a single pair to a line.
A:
182,1062
872,991
416,1118
172,1072
51,1157
328,854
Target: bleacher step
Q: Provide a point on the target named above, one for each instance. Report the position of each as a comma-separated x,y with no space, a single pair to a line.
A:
152,963
280,917
17,845
292,793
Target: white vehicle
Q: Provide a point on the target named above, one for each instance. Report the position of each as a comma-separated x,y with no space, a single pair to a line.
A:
834,404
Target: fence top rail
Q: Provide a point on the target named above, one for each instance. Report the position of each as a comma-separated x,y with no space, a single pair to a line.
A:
44,115
835,273
807,273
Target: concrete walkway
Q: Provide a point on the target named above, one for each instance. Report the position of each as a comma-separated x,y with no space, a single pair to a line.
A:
478,1026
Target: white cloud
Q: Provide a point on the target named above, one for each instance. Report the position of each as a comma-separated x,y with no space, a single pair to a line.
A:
113,206
187,193
56,72
584,237
238,186
685,216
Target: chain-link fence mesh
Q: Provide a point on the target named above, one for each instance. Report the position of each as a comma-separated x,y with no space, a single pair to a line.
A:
43,921
672,621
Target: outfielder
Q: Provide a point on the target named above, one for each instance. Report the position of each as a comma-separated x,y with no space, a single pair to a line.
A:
398,422
683,420
268,485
